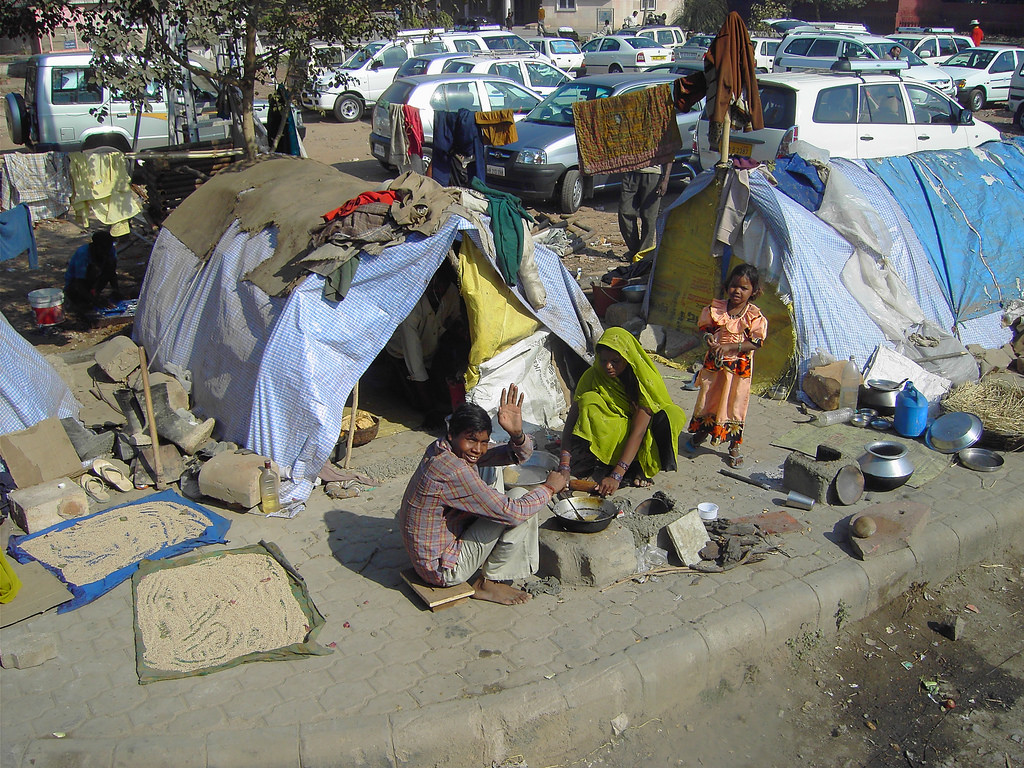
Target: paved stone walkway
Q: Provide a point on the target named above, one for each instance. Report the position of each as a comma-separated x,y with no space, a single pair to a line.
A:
480,682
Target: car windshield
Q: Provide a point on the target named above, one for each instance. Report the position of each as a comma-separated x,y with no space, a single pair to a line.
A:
881,50
699,41
396,93
363,55
564,46
508,43
642,42
972,59
556,109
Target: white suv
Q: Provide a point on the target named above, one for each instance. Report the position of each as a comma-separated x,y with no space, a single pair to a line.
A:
815,50
933,44
851,115
353,87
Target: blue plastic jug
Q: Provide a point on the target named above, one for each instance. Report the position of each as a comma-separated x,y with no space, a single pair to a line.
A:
911,415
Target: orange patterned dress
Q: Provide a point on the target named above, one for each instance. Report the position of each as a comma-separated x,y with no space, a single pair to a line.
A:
723,384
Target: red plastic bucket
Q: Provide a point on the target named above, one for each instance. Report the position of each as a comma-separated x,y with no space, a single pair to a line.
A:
48,304
604,296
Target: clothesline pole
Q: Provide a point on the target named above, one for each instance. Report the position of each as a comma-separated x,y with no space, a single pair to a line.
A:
723,159
352,425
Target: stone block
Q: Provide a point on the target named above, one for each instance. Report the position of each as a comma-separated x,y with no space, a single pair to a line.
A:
893,525
586,559
634,325
176,393
805,474
29,650
40,453
118,357
652,338
822,384
688,536
234,478
678,342
40,506
621,313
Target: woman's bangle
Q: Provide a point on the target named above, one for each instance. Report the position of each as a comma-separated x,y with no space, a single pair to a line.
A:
563,467
616,477
624,465
566,455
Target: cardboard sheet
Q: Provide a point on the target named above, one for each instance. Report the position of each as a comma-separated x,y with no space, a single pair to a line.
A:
40,591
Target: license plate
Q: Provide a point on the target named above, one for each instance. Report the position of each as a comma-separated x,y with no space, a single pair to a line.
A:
659,58
495,170
378,150
740,148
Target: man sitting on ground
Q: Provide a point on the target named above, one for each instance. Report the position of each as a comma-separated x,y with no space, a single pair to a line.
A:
454,524
91,269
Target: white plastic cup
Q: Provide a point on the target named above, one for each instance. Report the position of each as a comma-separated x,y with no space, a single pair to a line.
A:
707,511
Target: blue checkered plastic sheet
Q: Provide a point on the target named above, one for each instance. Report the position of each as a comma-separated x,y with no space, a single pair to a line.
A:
276,372
30,388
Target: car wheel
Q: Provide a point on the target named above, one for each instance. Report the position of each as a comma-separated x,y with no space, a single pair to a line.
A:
348,108
572,192
614,69
1018,119
112,141
976,99
17,117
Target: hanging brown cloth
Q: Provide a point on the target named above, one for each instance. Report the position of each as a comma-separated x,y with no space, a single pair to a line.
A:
732,57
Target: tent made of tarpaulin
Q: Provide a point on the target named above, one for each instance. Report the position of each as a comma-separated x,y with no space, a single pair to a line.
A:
30,388
276,371
803,257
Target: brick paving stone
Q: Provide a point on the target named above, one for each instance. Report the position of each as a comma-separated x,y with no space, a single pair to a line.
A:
573,637
394,701
211,719
301,708
343,696
538,625
73,693
436,688
254,705
158,711
574,659
615,642
109,726
492,641
120,700
619,617
696,608
401,652
524,654
442,660
578,609
653,625
30,709
480,673
692,586
393,678
350,643
729,594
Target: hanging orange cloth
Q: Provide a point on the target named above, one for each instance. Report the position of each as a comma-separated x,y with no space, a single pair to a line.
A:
497,127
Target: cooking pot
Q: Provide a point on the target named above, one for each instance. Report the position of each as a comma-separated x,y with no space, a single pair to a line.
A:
597,514
953,432
886,465
879,394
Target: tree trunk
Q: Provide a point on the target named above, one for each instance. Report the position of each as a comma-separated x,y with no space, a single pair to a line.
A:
248,89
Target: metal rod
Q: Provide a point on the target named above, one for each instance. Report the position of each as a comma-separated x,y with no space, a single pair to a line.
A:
745,479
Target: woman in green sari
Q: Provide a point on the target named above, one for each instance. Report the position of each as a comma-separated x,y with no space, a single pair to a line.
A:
622,426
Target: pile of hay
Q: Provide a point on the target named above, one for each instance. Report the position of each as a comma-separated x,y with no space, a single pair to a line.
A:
999,405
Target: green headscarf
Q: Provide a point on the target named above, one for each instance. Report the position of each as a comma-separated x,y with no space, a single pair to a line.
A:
605,410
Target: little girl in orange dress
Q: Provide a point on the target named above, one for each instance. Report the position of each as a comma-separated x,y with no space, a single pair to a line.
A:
733,328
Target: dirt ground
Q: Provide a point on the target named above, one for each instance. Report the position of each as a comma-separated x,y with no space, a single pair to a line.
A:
855,700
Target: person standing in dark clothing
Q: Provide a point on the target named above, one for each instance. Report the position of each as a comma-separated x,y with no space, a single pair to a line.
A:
92,268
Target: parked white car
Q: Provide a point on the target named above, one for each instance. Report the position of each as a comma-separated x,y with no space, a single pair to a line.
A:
447,92
983,74
764,52
854,115
563,52
667,37
934,45
615,53
694,48
535,74
349,90
1015,103
426,64
814,50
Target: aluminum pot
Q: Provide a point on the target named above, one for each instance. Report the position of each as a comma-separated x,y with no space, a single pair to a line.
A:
597,514
885,465
879,394
953,432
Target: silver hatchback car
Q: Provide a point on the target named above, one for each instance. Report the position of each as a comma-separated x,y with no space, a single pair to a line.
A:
543,164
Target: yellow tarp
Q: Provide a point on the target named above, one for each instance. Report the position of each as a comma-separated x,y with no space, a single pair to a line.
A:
687,277
496,318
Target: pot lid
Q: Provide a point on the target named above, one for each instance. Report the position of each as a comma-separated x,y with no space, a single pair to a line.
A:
952,432
849,484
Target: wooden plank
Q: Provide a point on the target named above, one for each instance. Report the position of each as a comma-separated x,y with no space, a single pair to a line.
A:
436,598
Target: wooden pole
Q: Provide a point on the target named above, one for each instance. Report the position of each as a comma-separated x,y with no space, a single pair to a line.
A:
352,425
151,419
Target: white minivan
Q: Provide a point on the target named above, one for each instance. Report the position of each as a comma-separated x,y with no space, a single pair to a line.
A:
851,115
65,109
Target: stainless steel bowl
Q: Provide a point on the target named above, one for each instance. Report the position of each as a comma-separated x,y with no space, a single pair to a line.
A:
980,459
953,432
860,420
634,293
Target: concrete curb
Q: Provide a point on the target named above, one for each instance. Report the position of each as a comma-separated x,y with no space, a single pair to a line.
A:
575,709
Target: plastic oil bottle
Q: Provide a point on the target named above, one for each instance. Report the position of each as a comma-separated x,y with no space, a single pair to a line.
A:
270,489
849,385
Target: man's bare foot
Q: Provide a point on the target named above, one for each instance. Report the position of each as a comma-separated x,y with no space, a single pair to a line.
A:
496,592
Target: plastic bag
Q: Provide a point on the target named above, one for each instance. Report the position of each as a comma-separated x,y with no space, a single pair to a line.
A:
649,557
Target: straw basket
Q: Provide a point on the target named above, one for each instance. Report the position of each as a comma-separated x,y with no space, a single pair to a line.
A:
363,435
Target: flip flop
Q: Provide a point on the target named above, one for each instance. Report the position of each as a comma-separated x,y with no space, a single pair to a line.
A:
111,475
94,487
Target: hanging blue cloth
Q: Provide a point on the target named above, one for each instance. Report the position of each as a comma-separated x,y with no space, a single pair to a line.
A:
456,133
16,235
799,180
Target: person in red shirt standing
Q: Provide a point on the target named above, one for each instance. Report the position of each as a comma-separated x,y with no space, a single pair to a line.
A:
977,35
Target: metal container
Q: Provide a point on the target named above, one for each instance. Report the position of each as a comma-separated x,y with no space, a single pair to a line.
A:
885,465
953,432
860,420
879,394
634,294
597,514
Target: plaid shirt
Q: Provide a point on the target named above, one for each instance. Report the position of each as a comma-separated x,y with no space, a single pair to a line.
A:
446,494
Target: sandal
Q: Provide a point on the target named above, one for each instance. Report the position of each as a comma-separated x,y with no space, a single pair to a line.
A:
94,487
111,475
735,459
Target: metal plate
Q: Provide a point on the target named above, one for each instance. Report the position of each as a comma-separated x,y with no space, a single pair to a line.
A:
880,423
953,432
980,459
849,484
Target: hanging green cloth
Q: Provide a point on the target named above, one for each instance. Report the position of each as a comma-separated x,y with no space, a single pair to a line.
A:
605,412
507,214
